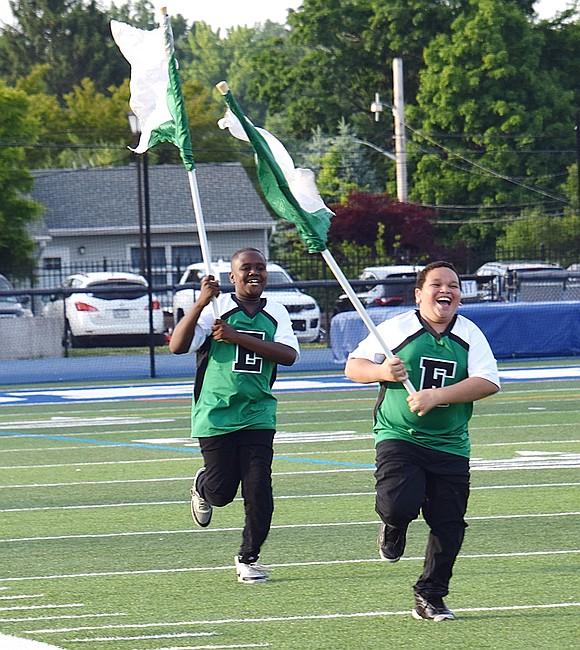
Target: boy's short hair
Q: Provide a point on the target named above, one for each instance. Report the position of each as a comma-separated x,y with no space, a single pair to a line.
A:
247,249
433,265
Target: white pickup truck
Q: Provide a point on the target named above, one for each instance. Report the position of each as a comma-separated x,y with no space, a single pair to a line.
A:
303,309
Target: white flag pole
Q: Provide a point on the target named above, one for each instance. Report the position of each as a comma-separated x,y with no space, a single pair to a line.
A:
362,312
205,254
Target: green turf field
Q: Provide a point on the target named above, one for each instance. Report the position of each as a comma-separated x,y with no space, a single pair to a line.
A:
98,550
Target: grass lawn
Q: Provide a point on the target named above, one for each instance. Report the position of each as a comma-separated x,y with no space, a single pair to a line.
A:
98,550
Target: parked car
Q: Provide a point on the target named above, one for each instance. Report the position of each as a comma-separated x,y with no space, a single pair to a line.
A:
303,309
502,284
12,306
108,308
398,288
391,286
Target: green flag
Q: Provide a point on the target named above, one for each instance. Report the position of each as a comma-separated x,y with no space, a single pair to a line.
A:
290,191
156,97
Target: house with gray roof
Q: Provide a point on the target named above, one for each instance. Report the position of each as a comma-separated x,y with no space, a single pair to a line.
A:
94,220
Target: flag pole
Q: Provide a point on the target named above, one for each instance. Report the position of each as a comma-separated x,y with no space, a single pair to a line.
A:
190,167
362,312
201,231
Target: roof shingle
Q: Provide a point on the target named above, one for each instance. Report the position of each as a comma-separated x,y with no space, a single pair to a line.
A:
106,198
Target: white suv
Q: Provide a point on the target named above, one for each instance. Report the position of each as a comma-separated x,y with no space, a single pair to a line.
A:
303,309
108,308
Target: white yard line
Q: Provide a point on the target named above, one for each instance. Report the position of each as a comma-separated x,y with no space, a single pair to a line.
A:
305,617
418,558
224,529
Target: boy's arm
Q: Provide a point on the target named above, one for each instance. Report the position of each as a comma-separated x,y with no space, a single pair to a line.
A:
365,371
276,352
467,390
184,330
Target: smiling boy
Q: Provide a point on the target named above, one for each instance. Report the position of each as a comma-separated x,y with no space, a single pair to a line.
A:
422,440
234,410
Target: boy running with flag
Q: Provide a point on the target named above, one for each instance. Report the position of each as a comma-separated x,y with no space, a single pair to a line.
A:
234,410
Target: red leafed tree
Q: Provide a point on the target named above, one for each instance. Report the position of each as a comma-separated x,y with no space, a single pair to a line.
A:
406,227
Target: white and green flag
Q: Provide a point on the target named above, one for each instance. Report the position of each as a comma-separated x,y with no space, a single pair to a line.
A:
290,191
156,97
293,195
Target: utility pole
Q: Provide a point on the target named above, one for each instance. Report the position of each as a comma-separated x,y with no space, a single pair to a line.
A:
398,109
400,143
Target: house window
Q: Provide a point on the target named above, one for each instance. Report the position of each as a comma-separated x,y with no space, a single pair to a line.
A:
158,259
183,256
158,266
52,263
138,259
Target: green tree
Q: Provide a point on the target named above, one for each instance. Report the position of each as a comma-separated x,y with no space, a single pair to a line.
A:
210,144
45,111
142,14
72,36
91,127
322,70
561,44
557,237
16,211
210,58
536,235
484,86
403,28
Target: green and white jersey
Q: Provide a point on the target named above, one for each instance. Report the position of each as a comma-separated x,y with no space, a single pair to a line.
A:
233,386
432,361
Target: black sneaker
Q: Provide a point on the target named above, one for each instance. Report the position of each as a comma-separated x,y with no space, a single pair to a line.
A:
432,609
391,543
201,510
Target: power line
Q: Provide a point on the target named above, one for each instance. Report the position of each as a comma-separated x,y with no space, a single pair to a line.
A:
485,170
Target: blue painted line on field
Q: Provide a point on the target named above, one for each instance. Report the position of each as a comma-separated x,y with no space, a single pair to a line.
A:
183,390
179,390
188,450
91,441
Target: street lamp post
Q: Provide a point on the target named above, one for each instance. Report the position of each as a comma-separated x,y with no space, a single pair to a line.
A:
144,209
135,130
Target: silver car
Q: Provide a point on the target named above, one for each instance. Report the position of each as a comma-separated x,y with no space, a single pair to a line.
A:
11,306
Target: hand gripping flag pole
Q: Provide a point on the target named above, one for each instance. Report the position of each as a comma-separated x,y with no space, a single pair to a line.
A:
293,196
157,101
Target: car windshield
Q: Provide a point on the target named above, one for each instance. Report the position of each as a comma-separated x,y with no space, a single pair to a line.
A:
277,277
117,290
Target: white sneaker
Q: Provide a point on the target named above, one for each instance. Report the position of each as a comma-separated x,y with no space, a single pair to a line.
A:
201,510
250,573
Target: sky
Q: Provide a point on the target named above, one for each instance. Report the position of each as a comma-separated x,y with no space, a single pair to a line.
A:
229,13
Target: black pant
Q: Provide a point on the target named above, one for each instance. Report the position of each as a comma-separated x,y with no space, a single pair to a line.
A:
409,479
244,457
